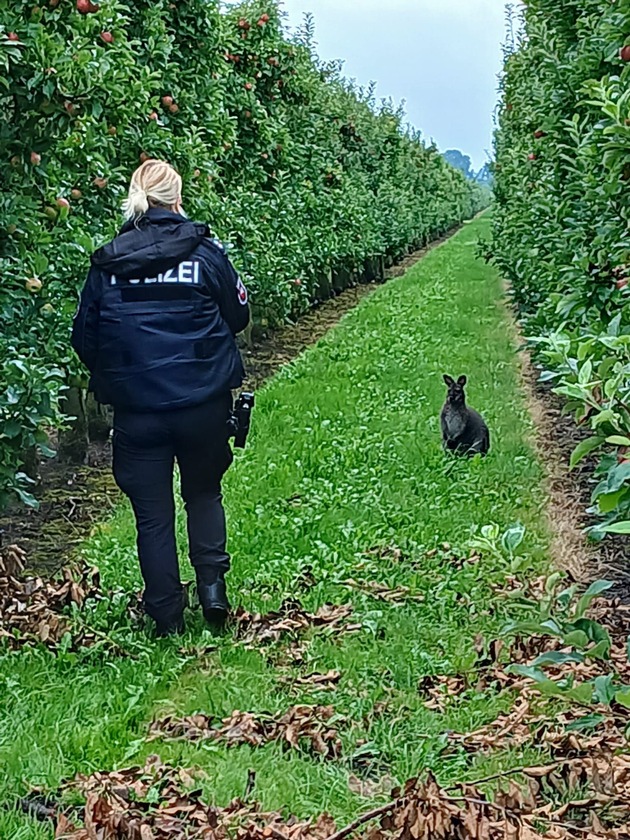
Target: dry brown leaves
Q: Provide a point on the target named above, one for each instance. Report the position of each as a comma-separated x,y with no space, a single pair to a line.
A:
312,727
509,730
290,620
439,689
590,798
316,682
159,802
425,811
390,553
450,558
532,589
32,609
586,793
569,734
370,788
393,595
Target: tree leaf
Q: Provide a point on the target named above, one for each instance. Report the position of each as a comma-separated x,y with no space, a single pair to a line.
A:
618,440
585,448
555,657
617,528
623,697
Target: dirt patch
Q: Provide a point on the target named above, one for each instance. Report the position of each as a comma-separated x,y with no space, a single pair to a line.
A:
556,437
75,498
72,500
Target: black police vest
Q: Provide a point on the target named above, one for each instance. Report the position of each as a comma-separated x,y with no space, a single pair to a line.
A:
162,342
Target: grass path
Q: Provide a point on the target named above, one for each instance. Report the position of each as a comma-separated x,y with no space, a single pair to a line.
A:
345,457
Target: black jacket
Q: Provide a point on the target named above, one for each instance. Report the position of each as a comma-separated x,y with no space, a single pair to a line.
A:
158,316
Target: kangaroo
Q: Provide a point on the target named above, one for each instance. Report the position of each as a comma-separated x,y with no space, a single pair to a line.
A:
464,431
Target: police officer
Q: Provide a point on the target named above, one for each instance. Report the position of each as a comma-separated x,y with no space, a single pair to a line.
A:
156,328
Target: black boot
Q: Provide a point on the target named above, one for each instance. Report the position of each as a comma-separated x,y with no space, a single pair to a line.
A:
213,598
171,627
171,622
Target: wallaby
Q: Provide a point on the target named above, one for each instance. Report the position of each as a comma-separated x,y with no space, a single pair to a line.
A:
464,430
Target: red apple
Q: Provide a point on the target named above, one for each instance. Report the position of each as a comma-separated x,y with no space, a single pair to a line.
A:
76,194
70,107
167,100
624,53
63,203
197,173
249,86
153,115
53,3
621,283
248,115
144,157
244,24
35,159
174,108
101,183
263,20
107,37
112,130
13,36
531,156
538,134
86,7
33,285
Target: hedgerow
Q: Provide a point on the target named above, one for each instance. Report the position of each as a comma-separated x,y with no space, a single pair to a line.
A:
561,227
309,179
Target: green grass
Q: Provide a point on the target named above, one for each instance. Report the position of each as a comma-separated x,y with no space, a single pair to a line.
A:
345,455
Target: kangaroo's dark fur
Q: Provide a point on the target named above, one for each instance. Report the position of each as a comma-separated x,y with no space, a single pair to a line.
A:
464,431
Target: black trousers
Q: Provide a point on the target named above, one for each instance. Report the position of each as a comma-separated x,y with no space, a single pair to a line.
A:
146,447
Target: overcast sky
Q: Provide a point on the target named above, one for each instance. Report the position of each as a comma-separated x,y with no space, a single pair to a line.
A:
441,56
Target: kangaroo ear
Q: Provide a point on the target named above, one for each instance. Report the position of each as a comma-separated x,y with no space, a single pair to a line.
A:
462,381
449,380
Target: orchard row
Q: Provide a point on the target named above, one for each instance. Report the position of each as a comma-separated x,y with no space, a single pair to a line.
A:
312,182
561,225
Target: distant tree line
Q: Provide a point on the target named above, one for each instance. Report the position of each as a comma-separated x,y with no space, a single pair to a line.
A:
462,162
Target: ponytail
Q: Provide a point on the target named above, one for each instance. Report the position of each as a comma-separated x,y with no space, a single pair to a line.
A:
154,184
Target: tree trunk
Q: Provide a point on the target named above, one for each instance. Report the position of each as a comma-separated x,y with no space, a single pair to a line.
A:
73,441
99,420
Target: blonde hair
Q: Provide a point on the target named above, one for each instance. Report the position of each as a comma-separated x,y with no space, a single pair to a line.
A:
154,184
